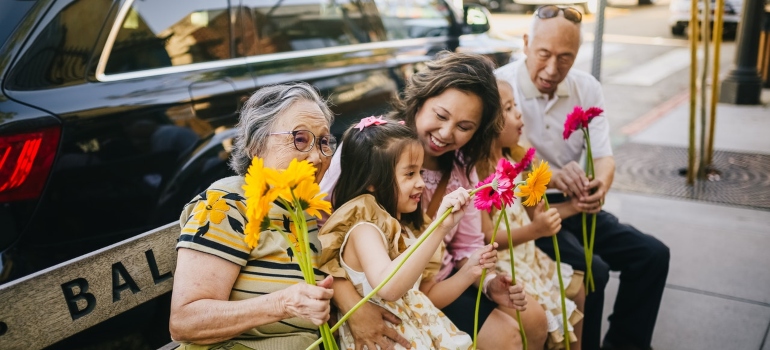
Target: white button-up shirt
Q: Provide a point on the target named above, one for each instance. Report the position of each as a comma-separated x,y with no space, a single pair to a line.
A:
544,116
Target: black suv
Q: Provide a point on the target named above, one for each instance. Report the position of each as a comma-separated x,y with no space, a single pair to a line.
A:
113,114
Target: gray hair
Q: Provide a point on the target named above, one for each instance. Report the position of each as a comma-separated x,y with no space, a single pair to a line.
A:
260,113
536,19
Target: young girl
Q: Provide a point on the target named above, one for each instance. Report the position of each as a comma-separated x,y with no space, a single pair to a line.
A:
377,208
533,267
453,106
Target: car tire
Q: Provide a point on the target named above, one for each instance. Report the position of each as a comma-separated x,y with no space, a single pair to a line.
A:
678,30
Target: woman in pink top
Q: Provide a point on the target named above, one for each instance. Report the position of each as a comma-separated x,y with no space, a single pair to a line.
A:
454,105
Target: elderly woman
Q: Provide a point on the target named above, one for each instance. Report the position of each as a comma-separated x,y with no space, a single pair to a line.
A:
226,294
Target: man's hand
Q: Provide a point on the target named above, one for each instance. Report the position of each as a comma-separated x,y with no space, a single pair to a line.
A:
368,328
571,180
593,202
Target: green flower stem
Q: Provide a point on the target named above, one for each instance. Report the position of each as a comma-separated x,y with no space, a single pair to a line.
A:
513,278
588,245
481,287
408,253
374,291
561,283
305,259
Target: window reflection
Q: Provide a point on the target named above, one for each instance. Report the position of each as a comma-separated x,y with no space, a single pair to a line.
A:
405,19
157,34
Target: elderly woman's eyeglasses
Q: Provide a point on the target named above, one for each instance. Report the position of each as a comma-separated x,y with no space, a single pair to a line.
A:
304,141
551,11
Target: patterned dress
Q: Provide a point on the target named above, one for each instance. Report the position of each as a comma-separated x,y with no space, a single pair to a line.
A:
538,272
423,325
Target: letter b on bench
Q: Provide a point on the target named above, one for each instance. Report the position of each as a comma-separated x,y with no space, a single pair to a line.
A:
73,297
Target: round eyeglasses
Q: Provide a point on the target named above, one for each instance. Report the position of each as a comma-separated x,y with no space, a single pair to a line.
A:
551,11
304,140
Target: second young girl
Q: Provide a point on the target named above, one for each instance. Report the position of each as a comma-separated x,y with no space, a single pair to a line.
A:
533,266
377,216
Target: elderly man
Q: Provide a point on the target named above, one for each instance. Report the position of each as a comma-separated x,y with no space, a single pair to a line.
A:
546,90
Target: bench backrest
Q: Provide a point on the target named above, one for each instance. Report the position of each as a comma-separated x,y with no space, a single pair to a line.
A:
51,305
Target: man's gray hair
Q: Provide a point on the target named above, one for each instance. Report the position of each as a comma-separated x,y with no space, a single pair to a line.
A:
260,113
535,20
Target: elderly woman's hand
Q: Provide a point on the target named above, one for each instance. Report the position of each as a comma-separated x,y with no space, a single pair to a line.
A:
309,302
369,329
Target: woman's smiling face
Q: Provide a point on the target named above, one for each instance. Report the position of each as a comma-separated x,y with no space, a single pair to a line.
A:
447,122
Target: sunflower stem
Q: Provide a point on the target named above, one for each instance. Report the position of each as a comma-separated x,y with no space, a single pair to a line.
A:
561,283
513,277
481,288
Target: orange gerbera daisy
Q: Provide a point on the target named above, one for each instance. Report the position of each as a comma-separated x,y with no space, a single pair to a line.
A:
537,180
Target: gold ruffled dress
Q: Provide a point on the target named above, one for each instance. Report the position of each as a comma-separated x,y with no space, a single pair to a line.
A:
423,325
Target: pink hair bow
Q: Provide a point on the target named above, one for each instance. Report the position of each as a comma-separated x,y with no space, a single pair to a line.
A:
369,121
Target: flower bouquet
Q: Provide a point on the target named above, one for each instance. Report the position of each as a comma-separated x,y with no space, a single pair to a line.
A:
297,192
579,119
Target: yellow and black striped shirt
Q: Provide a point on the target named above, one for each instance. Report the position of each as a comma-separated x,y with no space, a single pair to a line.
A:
213,222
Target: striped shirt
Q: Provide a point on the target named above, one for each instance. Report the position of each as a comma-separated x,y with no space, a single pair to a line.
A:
213,222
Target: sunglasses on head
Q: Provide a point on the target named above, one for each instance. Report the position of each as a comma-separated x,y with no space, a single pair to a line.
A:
551,11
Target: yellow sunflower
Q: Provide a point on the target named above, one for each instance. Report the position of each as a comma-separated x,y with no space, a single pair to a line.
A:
259,200
297,172
537,180
214,208
311,199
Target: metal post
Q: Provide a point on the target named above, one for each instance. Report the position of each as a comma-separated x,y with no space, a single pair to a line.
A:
705,26
693,88
743,84
596,67
717,38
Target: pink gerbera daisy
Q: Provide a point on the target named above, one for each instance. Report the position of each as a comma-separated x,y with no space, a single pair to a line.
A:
526,161
487,198
575,120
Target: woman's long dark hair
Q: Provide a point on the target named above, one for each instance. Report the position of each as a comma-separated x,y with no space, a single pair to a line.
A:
465,72
368,158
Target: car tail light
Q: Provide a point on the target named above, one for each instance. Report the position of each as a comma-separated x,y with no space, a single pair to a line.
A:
25,161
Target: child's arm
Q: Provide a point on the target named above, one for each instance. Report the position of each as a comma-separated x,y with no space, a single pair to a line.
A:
367,252
544,224
445,292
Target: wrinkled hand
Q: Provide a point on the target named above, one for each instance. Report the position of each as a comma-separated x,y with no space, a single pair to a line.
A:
308,302
571,180
368,328
592,203
503,293
483,258
547,223
456,200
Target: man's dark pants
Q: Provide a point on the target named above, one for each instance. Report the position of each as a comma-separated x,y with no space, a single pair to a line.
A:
643,264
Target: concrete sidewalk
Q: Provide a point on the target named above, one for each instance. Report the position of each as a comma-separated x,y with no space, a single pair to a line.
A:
718,289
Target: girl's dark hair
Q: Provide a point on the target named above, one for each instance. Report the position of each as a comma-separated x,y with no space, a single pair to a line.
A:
465,72
368,158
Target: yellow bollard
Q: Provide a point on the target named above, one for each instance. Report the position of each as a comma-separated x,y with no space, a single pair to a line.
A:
693,88
717,37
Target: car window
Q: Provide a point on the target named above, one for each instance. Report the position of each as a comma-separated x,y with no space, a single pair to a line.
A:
271,26
415,18
161,33
11,13
60,53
